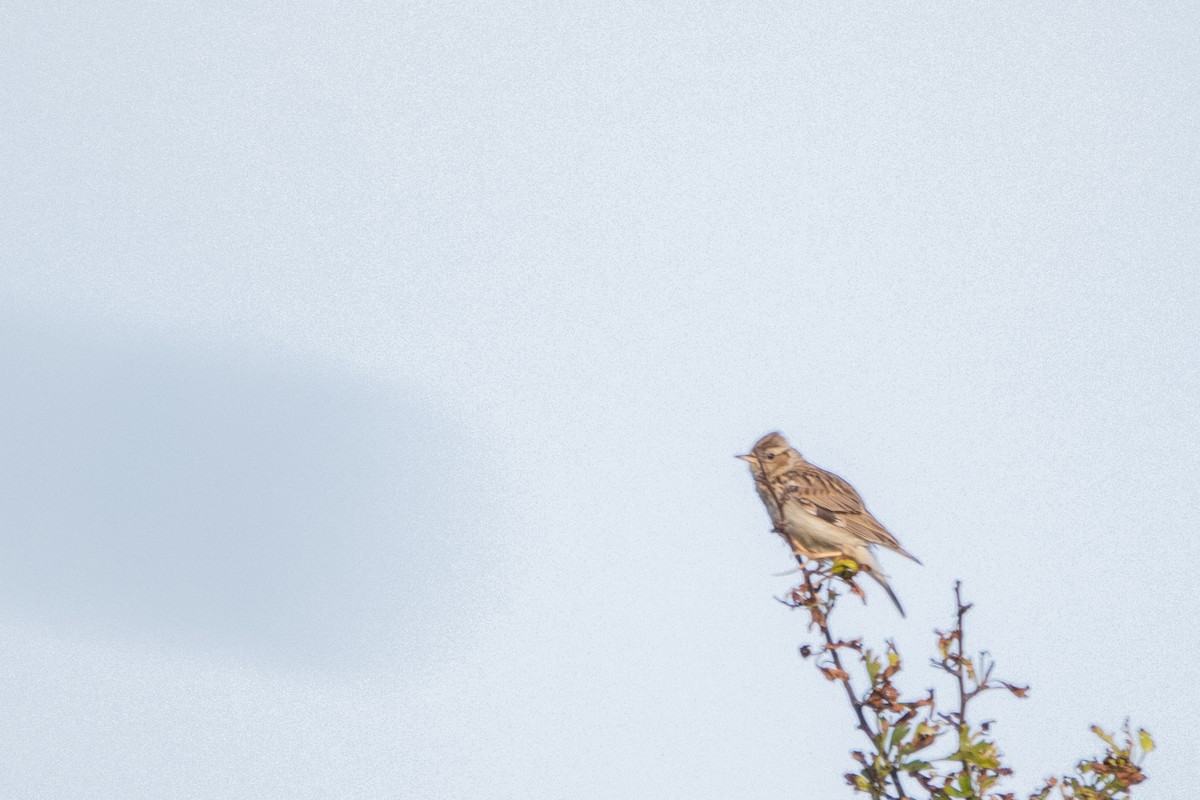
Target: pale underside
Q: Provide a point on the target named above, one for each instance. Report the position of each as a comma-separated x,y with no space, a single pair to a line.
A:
822,515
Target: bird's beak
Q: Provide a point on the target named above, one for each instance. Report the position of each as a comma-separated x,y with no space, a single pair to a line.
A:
746,457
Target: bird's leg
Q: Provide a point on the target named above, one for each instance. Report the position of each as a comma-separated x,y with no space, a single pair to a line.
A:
801,550
829,554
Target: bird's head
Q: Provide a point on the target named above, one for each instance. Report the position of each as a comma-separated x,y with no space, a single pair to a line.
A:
771,450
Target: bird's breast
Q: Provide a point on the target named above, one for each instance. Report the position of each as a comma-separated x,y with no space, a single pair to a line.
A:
814,532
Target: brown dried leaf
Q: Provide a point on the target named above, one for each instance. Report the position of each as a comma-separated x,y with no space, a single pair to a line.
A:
834,674
1019,691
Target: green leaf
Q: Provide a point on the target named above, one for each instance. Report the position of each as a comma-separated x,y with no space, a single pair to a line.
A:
873,665
982,757
964,784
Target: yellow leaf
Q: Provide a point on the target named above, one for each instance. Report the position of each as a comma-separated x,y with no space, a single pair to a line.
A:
1096,729
845,567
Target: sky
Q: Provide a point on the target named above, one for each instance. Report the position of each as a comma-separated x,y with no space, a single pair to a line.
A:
373,374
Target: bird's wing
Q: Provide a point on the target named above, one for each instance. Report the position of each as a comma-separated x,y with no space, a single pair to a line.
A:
815,486
834,500
871,530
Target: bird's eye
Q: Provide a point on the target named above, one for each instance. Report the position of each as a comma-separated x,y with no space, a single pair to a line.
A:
770,456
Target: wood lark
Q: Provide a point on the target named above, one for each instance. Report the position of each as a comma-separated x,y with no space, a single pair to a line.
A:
816,512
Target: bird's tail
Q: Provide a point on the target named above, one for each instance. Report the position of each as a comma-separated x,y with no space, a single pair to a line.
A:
881,579
868,564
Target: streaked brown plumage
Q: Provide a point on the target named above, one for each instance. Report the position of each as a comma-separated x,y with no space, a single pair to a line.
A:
817,513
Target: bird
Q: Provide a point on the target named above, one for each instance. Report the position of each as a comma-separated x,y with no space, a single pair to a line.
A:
817,513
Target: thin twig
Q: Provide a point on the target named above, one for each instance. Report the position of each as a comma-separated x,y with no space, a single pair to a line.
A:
837,660
831,648
964,696
844,676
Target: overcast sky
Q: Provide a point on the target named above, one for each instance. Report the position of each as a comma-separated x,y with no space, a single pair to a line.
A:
373,372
